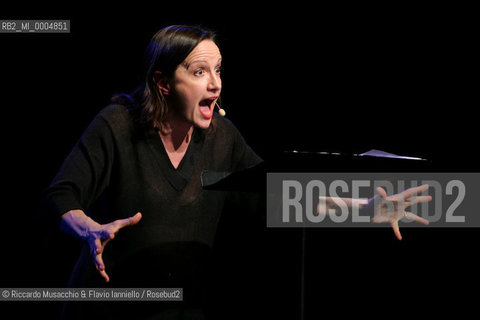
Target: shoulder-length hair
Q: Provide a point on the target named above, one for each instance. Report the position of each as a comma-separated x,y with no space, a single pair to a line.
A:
167,49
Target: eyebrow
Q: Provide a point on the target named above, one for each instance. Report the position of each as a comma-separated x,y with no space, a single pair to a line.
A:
187,65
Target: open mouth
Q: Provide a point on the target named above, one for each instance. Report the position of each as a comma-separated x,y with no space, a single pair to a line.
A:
206,107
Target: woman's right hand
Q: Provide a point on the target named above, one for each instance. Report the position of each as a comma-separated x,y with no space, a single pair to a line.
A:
96,235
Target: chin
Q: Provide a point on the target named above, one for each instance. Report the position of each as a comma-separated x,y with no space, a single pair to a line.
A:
203,124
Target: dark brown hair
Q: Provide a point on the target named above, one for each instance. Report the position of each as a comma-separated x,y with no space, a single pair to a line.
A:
167,49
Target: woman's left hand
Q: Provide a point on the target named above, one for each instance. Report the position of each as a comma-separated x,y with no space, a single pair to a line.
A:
391,209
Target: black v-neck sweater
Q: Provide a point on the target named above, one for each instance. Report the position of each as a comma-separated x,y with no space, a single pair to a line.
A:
118,168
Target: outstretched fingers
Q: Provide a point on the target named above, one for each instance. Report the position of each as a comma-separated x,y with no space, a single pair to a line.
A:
396,229
418,199
381,192
101,267
414,217
107,234
413,191
97,250
127,222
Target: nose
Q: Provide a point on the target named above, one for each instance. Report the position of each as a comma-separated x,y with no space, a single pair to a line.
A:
214,83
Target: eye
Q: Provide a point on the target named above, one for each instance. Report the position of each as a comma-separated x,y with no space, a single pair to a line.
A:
218,69
198,72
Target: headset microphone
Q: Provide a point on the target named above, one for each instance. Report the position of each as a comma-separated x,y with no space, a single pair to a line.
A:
220,110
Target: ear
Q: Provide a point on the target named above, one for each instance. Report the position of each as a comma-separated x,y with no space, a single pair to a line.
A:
162,82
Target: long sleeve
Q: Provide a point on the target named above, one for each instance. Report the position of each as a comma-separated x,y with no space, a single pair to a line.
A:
86,171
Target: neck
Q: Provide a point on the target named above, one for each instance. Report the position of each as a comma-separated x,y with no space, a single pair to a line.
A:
176,132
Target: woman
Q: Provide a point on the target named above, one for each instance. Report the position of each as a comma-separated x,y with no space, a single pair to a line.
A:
138,165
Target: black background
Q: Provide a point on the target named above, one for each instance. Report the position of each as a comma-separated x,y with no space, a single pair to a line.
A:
344,79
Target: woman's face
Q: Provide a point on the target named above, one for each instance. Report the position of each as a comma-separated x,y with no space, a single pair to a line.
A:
196,84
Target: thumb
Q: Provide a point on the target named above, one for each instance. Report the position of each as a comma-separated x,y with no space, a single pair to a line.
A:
381,192
133,220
